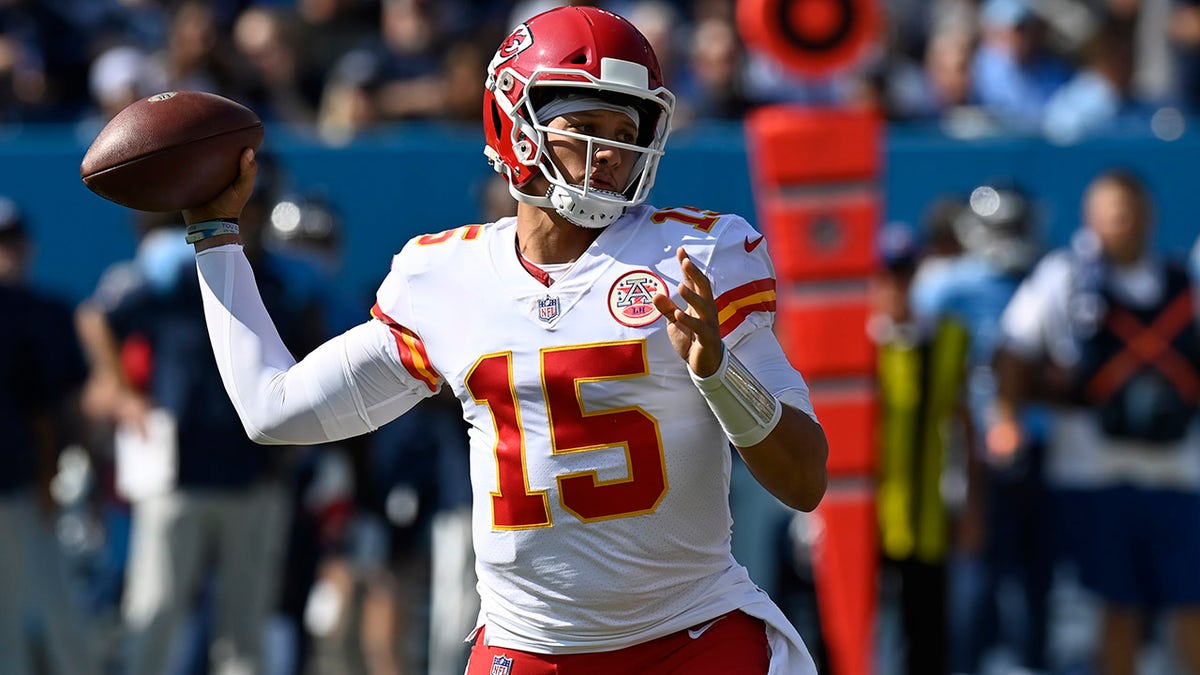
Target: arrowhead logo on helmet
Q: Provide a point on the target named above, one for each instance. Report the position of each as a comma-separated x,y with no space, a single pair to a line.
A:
514,44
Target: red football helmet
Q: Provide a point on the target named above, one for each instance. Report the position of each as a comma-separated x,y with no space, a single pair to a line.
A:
574,50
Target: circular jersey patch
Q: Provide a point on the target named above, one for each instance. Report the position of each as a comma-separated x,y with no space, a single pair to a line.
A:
631,299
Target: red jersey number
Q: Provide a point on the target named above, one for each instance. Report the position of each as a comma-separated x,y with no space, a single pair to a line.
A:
572,429
698,218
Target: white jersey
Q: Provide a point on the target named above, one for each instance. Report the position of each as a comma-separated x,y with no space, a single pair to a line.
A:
601,478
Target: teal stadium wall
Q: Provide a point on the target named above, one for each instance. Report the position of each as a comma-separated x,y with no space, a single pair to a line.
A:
415,179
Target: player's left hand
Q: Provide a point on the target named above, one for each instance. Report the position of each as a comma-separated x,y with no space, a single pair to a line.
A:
694,332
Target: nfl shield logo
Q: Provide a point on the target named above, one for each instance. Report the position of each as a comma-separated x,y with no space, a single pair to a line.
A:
547,309
501,665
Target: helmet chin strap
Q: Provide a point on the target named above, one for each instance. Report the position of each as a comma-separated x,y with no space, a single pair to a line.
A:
570,203
590,212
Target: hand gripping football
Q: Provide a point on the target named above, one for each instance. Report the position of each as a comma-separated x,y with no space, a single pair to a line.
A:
172,151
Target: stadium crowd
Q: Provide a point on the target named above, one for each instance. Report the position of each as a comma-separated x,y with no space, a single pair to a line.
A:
370,557
1065,67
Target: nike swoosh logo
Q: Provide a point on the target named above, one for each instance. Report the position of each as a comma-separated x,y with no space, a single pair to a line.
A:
751,245
695,633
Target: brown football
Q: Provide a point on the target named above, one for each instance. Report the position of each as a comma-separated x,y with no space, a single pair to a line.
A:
172,151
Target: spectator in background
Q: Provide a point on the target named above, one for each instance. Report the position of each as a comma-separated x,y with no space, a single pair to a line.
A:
120,75
463,68
710,9
322,510
949,81
920,374
26,79
53,42
193,52
890,80
1105,329
411,56
1015,72
711,79
1101,97
940,243
664,26
909,22
142,23
1155,76
416,68
1003,537
196,54
276,83
948,59
204,499
418,71
350,98
331,28
41,369
1183,33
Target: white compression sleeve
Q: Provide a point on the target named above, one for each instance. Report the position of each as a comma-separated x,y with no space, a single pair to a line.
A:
350,385
747,391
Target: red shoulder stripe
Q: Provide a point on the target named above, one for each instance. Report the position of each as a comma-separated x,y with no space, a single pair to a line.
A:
412,350
734,305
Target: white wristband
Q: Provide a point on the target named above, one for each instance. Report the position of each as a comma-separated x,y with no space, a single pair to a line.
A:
746,410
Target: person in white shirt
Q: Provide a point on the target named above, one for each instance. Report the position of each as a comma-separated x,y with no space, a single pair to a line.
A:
606,354
1106,331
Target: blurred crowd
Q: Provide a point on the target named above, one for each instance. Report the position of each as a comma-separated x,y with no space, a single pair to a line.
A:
1066,68
1039,485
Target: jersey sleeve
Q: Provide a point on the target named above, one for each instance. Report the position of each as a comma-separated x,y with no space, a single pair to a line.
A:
743,279
762,355
349,385
393,309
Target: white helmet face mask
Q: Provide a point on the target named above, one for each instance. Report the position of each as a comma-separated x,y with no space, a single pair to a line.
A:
581,204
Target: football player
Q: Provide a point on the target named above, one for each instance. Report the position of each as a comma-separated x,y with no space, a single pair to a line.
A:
606,354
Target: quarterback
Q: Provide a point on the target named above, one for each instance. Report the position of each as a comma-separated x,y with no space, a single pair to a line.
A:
606,353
